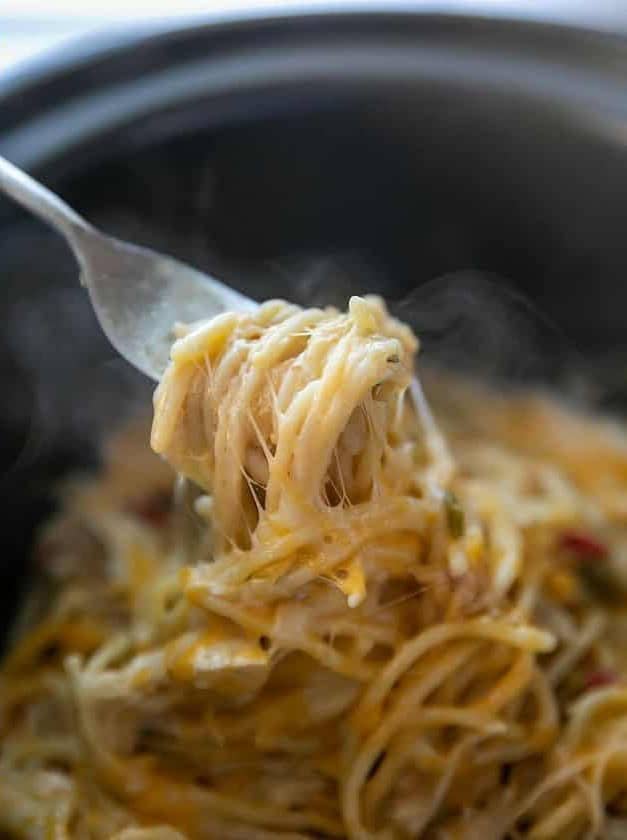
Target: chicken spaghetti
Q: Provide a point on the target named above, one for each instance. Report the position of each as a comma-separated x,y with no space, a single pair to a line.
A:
348,617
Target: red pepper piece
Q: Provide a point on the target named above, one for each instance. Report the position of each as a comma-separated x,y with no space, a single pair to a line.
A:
600,678
154,509
583,545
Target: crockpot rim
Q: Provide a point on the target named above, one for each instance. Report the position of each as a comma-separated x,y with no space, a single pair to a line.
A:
38,93
524,29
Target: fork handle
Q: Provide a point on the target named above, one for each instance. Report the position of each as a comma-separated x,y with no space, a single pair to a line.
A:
43,203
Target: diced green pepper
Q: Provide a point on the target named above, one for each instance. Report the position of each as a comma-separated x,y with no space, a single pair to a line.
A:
455,516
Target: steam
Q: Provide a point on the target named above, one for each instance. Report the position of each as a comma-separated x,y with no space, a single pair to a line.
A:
474,323
478,324
79,388
324,281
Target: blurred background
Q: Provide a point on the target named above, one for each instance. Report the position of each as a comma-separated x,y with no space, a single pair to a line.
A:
29,27
466,159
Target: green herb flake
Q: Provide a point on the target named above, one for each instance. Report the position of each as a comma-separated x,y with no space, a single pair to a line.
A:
455,516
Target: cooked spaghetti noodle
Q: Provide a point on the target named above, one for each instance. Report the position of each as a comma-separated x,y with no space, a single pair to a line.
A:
342,622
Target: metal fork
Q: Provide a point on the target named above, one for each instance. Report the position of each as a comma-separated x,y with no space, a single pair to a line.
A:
137,294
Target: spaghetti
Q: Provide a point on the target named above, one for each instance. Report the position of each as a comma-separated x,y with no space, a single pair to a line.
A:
347,620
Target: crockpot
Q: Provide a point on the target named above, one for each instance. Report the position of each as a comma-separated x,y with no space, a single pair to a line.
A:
312,156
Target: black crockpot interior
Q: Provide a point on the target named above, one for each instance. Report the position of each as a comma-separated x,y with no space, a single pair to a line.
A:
312,189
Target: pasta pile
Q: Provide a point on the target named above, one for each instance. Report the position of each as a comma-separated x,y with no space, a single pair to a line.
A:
346,618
